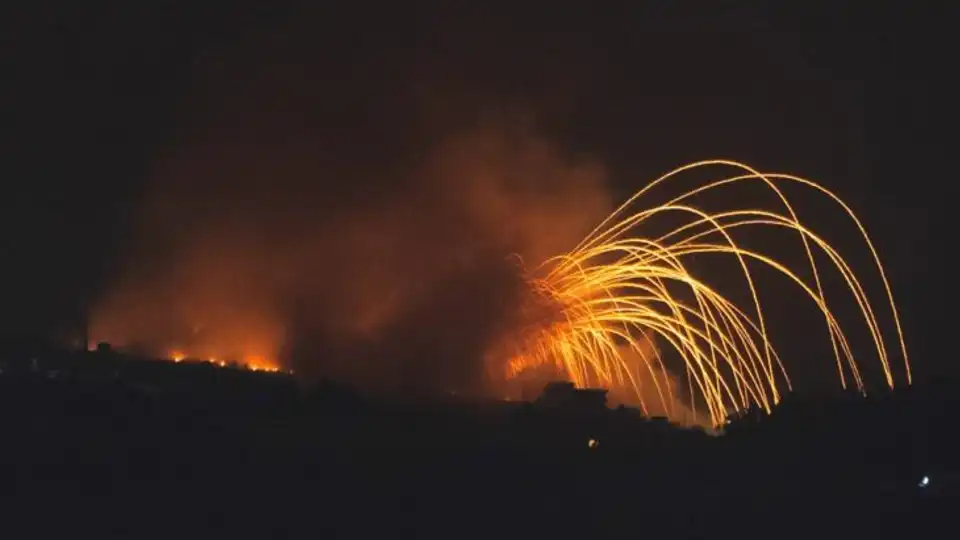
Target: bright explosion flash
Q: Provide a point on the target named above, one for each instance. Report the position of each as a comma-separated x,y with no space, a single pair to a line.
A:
618,295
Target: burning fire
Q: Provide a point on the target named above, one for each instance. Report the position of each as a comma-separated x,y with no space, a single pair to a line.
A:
250,362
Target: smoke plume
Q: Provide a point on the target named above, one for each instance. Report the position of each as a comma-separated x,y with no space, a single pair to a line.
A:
363,237
399,279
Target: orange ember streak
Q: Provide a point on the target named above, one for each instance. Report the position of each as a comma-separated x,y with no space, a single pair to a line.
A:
620,293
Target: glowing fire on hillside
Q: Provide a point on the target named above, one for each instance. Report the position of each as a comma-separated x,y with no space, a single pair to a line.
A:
250,362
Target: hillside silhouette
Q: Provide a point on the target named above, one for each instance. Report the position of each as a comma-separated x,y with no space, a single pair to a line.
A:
110,442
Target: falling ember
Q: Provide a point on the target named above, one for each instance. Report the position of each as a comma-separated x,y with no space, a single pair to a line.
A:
620,293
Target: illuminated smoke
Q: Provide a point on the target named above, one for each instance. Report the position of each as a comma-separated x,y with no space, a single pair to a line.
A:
398,282
410,287
364,240
306,216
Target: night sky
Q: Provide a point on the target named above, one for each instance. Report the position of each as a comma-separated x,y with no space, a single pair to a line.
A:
99,98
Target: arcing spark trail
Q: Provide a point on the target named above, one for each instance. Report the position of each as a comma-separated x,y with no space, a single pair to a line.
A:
618,296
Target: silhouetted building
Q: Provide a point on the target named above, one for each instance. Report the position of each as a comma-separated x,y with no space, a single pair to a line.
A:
565,395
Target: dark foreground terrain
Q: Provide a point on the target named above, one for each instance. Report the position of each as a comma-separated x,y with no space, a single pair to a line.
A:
164,450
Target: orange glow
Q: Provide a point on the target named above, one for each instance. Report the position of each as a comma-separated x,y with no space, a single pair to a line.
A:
259,363
234,263
251,362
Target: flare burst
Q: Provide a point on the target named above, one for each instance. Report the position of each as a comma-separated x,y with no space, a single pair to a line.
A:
622,301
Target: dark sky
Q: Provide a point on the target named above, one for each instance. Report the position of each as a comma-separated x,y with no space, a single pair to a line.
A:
97,97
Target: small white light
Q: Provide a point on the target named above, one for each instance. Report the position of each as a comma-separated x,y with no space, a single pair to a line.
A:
592,443
924,482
